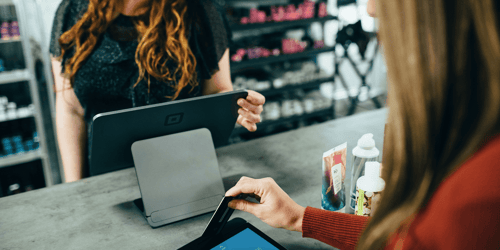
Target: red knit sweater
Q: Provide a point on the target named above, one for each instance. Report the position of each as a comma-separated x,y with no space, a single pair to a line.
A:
463,213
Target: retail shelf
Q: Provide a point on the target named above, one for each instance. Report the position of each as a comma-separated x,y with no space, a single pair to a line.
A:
6,161
257,63
305,85
14,76
10,41
264,124
276,25
6,2
17,118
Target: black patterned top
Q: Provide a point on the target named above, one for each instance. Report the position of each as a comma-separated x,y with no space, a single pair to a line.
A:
105,80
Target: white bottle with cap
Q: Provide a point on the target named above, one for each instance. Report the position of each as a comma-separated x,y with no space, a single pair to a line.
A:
368,190
365,151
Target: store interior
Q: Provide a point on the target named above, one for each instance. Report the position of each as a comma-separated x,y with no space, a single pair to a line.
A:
313,61
249,124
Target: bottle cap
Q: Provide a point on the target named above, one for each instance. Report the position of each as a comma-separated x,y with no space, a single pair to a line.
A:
371,181
366,147
372,169
366,141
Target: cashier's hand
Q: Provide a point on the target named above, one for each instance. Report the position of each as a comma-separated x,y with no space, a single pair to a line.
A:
251,107
276,208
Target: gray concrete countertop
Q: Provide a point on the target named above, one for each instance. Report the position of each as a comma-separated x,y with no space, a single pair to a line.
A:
98,212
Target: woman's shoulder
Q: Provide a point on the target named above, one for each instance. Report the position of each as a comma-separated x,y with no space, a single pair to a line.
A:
210,11
68,7
476,180
67,14
464,208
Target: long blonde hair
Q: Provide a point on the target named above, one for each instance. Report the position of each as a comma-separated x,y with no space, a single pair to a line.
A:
162,38
443,61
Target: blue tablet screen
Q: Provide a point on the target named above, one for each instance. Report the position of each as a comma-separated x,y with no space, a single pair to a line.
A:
246,239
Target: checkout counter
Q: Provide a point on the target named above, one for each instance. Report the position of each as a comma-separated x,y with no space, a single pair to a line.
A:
99,213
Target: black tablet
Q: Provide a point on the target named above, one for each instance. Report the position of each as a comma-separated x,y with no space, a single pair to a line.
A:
242,236
114,132
221,234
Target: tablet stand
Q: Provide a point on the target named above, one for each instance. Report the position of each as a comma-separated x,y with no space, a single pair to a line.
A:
178,176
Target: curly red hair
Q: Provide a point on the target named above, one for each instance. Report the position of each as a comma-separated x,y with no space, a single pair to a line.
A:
162,38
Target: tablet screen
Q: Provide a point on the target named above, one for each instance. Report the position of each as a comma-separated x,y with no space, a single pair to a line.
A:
246,239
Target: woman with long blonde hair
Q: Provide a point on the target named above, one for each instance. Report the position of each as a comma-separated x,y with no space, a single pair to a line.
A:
116,54
442,144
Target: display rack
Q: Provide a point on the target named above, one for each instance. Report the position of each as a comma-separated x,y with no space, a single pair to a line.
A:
258,63
304,85
41,97
238,68
280,25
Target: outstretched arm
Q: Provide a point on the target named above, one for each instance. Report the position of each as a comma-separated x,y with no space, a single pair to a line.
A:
278,210
251,107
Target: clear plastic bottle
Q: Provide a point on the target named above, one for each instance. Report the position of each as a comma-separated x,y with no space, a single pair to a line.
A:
365,151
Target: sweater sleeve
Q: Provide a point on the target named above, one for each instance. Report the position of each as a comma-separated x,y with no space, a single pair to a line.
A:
339,230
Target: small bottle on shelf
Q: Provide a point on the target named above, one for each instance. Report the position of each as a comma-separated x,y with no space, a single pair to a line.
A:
14,30
14,186
18,144
7,146
11,110
5,23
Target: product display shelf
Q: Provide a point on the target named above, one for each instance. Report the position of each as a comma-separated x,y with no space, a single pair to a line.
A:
14,76
9,41
285,120
240,68
259,62
40,98
17,118
7,161
306,85
281,25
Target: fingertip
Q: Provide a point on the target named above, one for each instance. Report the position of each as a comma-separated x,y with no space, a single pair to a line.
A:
232,204
240,101
254,128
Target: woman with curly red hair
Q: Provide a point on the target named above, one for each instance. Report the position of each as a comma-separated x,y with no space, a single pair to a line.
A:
116,54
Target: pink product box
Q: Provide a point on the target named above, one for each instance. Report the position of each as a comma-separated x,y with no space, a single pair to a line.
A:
253,53
305,10
322,12
291,46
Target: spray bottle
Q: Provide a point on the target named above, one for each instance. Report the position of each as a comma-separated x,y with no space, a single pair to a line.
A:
365,151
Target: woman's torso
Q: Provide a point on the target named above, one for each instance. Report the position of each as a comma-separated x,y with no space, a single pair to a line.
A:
106,81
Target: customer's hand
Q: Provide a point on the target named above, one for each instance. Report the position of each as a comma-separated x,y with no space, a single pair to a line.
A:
276,208
251,107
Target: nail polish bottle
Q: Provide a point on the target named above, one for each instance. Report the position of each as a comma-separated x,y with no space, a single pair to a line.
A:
280,14
253,15
322,12
14,30
4,30
261,17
